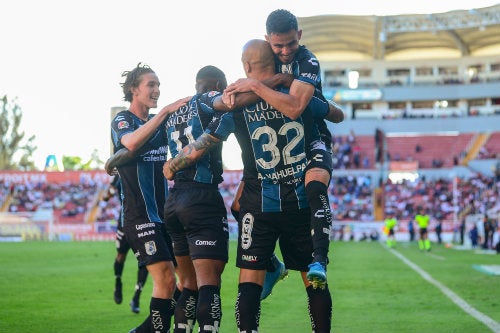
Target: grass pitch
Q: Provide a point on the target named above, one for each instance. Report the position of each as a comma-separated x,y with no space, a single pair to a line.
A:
68,287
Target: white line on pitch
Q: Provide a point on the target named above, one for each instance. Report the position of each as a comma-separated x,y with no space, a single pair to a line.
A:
493,325
432,255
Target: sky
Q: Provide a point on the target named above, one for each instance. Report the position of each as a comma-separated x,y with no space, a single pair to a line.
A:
62,60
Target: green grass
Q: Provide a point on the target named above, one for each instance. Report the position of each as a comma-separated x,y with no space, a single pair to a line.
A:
68,287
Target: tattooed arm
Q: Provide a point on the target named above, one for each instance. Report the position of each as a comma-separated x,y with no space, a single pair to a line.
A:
189,155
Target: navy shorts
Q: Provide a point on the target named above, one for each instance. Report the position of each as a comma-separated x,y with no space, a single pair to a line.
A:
196,219
258,233
150,242
320,157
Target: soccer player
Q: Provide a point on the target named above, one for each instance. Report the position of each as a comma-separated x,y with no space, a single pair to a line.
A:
283,35
182,127
273,203
195,214
144,189
122,248
276,271
423,220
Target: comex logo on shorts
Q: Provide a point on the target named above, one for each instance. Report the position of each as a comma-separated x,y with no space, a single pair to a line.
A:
205,242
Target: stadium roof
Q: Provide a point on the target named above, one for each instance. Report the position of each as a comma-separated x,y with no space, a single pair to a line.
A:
464,32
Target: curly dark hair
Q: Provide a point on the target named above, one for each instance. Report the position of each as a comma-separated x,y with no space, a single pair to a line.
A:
281,21
133,79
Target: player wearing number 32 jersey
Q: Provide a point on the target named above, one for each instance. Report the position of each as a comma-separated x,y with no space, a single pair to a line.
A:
274,155
273,204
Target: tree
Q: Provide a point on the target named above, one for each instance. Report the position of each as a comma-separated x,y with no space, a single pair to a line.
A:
11,138
72,162
26,162
76,162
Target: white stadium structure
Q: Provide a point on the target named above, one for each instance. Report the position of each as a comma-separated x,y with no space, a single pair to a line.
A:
435,65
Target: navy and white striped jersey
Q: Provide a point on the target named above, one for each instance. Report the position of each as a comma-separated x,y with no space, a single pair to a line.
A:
305,67
144,188
274,149
183,127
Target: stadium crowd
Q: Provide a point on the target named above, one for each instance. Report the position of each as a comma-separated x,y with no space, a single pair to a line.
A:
351,197
69,199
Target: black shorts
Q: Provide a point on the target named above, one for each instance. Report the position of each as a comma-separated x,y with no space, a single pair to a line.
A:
196,219
320,157
423,231
150,242
121,243
258,233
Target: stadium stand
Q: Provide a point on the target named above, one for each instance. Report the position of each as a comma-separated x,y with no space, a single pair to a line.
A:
491,147
436,150
429,80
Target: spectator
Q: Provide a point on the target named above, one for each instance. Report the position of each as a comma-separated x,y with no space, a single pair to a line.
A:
474,236
439,229
488,233
462,232
351,138
366,162
496,170
411,230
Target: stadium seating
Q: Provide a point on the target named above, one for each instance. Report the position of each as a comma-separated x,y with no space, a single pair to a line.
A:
492,146
433,148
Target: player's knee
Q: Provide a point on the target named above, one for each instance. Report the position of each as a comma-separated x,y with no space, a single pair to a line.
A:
317,174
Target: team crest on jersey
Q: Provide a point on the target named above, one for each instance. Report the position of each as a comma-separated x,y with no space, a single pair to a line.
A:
212,93
123,124
286,69
150,247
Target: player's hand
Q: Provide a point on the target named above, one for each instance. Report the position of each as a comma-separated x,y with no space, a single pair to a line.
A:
228,100
110,170
335,114
167,172
108,194
240,86
172,107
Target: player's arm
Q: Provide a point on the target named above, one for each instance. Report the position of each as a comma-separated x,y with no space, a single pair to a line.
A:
291,105
121,157
136,139
189,154
325,109
231,101
335,114
235,205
